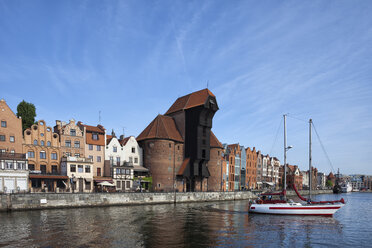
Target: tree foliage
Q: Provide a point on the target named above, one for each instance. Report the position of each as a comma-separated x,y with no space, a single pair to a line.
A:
27,112
329,184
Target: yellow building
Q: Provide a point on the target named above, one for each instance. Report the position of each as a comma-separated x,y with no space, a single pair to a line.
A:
43,150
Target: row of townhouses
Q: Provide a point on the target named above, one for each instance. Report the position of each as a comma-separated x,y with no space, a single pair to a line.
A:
176,151
71,157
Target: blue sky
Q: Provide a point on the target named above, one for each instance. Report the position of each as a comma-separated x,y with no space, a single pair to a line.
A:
132,59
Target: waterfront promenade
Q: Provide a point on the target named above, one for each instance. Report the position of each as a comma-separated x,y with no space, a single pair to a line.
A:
11,202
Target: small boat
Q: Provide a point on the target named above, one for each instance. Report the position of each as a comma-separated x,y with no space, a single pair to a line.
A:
284,207
346,187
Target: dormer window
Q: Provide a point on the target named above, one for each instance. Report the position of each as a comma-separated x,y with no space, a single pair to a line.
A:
94,136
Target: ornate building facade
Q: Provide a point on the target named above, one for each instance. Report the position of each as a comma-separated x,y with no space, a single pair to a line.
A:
43,151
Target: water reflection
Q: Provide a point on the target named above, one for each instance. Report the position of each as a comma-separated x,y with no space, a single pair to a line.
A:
191,225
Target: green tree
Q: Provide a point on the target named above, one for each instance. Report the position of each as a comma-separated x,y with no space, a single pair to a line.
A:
329,184
27,112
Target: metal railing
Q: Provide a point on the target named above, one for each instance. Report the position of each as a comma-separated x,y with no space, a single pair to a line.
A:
10,155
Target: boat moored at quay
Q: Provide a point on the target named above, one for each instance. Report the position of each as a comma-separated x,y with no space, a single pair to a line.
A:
282,206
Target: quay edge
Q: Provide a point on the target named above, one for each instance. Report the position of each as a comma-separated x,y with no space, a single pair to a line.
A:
16,202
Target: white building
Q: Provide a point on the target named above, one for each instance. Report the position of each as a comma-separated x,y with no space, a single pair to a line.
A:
321,180
80,173
125,157
275,163
13,172
305,179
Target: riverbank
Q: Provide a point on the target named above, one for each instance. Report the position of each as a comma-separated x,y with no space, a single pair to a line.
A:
12,202
313,192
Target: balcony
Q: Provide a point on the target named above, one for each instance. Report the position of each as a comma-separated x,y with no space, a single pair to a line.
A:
39,172
76,159
121,164
12,156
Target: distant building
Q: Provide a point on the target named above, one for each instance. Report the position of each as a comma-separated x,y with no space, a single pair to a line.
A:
321,180
229,158
357,181
251,173
331,178
259,174
275,163
243,168
294,176
266,172
13,162
367,182
305,179
235,164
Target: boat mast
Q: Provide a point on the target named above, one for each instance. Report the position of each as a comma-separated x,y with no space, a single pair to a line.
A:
310,170
285,156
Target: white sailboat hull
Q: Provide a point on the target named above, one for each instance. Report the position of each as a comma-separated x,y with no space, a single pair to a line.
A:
295,209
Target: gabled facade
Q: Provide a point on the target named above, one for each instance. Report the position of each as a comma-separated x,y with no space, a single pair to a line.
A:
43,151
94,137
71,137
124,156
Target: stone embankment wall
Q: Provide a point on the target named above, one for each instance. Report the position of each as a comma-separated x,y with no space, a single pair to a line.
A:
65,200
305,193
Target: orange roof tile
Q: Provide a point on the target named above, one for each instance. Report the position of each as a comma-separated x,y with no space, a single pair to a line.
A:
97,129
124,141
194,99
214,142
183,166
108,139
162,127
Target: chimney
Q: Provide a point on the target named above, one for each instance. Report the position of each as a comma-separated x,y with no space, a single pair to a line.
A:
122,136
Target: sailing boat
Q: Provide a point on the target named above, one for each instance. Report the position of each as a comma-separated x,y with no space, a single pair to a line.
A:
284,207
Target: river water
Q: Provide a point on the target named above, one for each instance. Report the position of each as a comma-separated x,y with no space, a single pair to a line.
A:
221,224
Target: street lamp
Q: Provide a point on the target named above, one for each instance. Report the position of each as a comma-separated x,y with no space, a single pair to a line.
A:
288,147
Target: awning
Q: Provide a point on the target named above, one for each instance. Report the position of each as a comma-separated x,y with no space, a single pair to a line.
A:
140,168
102,179
88,179
259,182
38,176
269,183
105,183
